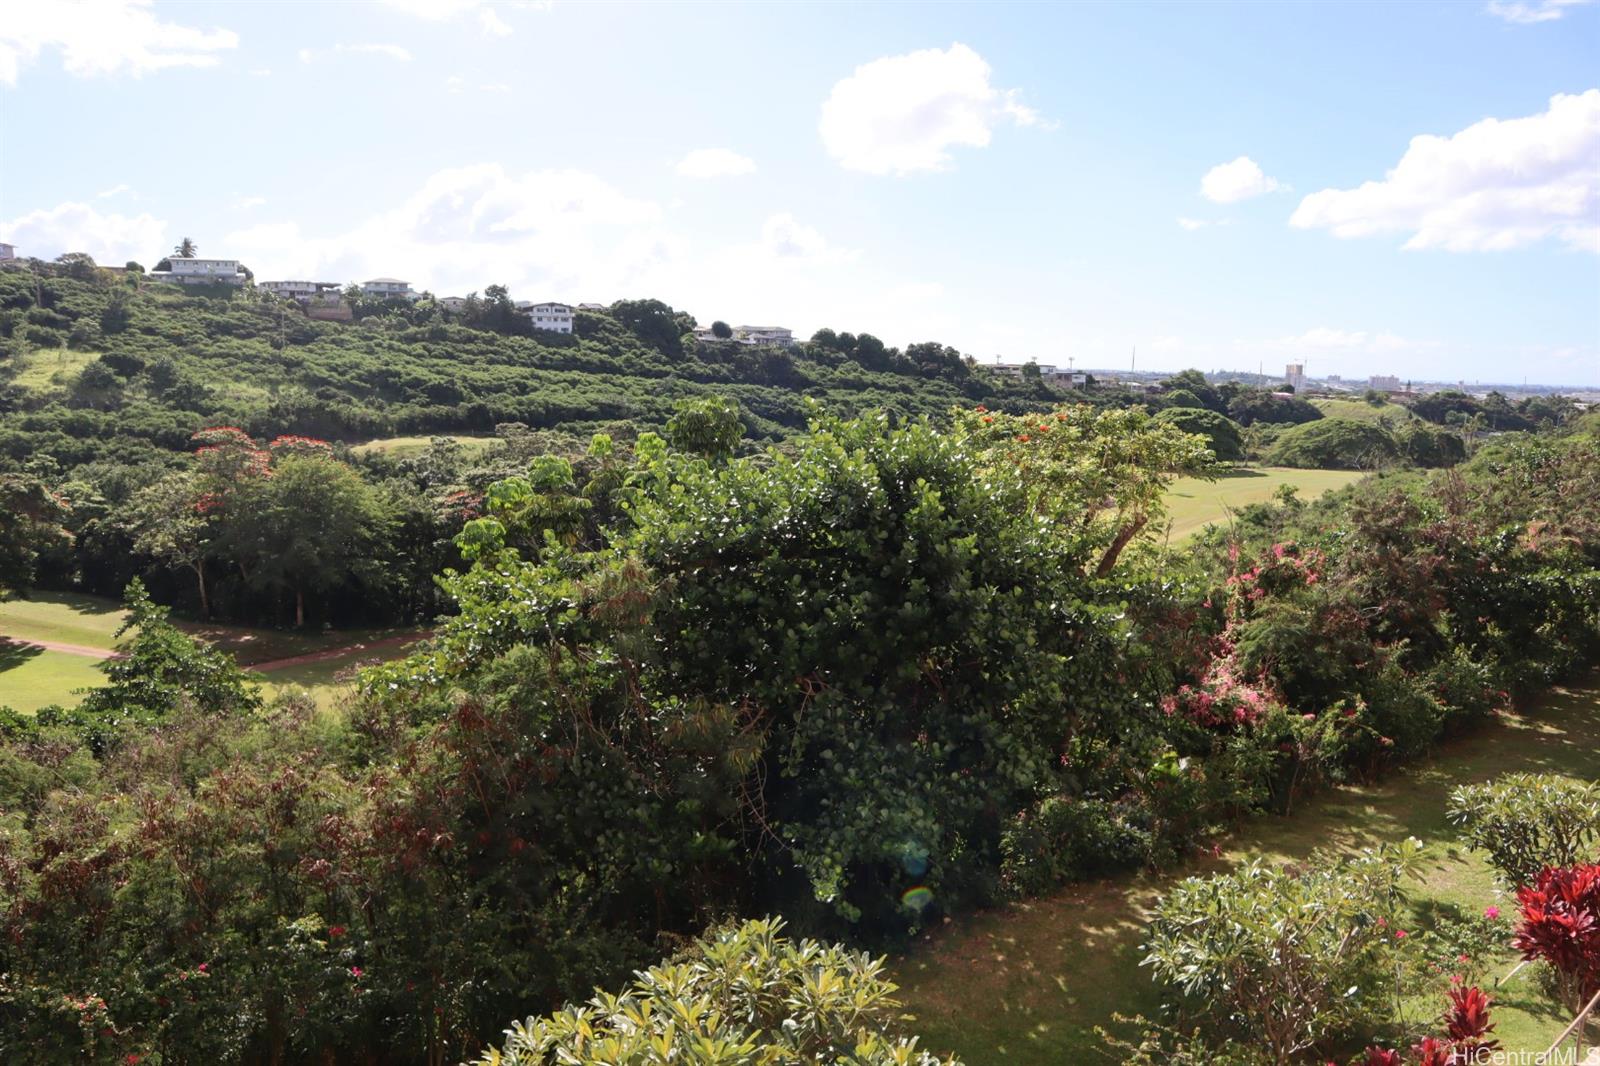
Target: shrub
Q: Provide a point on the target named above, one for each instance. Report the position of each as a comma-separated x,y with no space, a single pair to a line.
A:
741,998
1283,957
1559,924
1061,840
1335,443
1529,822
1221,433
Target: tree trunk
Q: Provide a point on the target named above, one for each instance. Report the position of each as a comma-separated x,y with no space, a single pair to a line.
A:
299,607
205,599
1124,535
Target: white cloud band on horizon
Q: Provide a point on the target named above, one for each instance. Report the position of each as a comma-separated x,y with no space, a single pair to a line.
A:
902,114
1496,185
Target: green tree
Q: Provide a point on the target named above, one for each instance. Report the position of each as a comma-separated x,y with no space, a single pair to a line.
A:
721,330
654,323
170,523
31,522
708,427
159,671
312,526
186,249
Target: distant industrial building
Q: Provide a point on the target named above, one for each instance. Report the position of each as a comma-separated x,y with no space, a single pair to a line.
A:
1384,382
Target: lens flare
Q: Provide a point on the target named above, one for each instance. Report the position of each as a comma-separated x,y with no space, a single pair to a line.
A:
917,898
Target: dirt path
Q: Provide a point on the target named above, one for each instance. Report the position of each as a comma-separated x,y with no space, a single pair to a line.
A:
69,649
334,653
265,667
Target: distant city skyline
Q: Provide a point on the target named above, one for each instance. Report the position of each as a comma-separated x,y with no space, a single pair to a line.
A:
1367,189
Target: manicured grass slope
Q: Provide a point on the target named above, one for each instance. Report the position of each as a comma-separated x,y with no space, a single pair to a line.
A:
1027,984
30,678
1194,503
410,447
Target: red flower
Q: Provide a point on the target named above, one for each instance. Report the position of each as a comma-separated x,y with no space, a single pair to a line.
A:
355,971
203,967
133,1058
335,932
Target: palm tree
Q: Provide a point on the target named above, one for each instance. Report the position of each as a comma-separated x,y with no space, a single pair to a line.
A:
186,249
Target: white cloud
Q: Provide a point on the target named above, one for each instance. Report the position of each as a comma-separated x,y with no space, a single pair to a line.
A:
493,24
785,237
261,72
1538,11
245,203
103,37
471,226
1497,184
715,163
454,83
396,52
489,19
393,51
901,114
1324,338
79,227
115,190
1242,179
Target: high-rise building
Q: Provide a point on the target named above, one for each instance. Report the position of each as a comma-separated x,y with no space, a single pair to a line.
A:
1295,375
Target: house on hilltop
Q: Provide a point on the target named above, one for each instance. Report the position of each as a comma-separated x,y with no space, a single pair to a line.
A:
555,317
1048,373
453,303
297,290
776,336
200,272
7,251
388,289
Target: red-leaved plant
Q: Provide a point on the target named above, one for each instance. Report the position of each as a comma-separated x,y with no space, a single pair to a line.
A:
1467,1028
1560,925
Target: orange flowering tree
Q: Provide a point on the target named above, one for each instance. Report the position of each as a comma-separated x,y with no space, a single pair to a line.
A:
1098,475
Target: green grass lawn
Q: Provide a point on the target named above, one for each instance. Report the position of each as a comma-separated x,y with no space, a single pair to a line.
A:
1028,983
1194,503
47,369
43,677
410,447
31,678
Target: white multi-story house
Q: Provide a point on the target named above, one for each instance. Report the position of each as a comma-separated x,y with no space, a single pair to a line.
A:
7,251
201,272
388,289
767,335
453,303
557,318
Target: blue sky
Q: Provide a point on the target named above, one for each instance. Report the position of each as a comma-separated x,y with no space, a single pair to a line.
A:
1221,186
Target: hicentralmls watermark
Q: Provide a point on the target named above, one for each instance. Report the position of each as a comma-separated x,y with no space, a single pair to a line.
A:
1567,1056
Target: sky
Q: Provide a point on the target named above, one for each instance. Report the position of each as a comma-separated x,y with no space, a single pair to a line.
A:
1368,188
